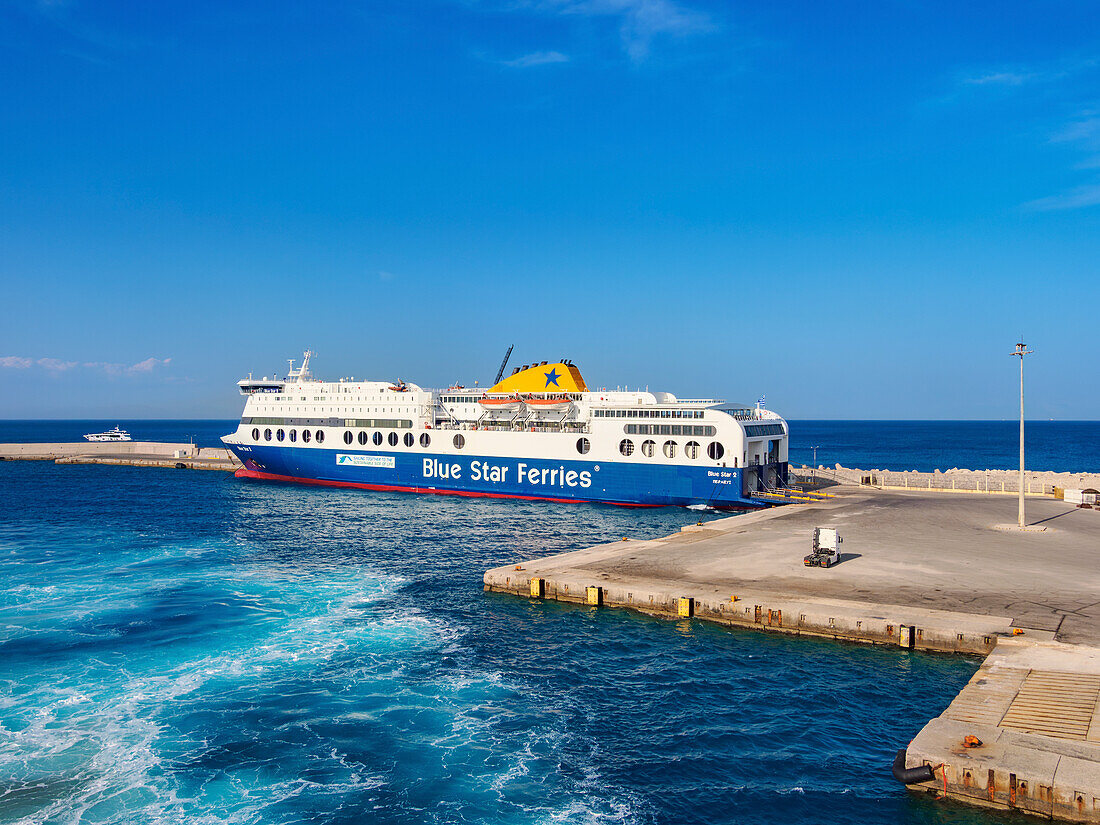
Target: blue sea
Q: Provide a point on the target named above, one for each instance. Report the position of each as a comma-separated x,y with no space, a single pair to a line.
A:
1061,446
187,647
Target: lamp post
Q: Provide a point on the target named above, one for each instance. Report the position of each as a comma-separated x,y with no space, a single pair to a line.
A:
1021,351
813,474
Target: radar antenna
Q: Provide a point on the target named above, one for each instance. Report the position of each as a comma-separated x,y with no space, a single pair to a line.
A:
503,364
302,373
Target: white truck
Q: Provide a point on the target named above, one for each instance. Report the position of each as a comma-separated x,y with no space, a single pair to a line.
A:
826,546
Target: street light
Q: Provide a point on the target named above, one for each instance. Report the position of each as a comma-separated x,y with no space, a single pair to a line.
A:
813,472
1021,351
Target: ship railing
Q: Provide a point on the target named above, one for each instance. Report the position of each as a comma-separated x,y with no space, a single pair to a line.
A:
511,426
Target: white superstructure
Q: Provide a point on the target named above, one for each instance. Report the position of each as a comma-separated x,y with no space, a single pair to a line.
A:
542,414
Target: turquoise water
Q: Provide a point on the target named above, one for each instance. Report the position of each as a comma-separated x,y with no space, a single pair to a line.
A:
186,647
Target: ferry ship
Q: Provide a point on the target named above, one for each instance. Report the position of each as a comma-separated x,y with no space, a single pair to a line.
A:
539,434
115,434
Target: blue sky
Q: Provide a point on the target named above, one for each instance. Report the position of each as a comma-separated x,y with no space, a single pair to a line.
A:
855,208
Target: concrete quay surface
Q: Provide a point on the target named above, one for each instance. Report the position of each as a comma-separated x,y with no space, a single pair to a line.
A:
942,572
129,453
1033,706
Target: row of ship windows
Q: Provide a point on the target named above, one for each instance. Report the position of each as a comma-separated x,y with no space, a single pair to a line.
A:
647,413
669,429
319,436
648,448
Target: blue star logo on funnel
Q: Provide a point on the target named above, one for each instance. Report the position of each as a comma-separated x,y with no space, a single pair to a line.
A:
552,377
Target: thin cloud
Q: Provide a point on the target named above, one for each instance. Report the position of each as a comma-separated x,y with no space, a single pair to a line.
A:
19,362
535,59
1083,134
639,22
1079,197
998,79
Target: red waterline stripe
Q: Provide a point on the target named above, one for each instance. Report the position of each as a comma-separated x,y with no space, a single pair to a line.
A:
244,472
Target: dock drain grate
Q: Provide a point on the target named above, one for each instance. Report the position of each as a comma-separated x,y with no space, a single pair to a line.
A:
1054,704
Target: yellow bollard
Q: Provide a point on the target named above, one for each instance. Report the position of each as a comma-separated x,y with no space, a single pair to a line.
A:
594,594
686,607
538,586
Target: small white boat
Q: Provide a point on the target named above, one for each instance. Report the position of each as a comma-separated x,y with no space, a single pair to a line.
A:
116,434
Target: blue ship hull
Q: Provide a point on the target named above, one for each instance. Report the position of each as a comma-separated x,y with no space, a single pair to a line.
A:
627,483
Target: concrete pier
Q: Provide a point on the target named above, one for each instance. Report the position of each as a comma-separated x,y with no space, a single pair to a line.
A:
933,571
129,453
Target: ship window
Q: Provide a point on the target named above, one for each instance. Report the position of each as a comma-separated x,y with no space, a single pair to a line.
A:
348,437
648,447
626,446
666,429
255,434
425,439
305,436
410,439
362,438
377,439
459,441
691,449
293,435
267,434
670,449
392,439
583,445
715,450
279,435
320,436
677,430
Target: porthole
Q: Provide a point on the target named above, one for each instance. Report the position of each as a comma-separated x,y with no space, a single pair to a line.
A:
409,439
280,435
392,439
255,433
669,449
583,445
459,441
320,436
267,434
377,438
715,450
648,448
293,435
362,438
626,446
425,439
348,437
305,436
691,450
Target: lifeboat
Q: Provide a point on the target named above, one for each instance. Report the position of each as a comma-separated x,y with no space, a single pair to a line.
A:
553,403
506,404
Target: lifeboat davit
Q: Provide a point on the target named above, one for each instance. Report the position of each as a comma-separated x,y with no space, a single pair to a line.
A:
506,404
551,404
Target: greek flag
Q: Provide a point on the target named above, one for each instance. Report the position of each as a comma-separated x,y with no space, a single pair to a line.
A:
760,403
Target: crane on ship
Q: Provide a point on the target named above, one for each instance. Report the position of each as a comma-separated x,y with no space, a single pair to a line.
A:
503,365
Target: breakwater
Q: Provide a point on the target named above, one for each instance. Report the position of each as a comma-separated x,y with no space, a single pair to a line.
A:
1036,482
129,453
